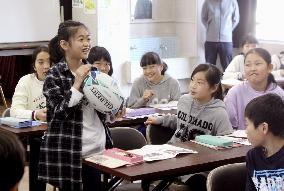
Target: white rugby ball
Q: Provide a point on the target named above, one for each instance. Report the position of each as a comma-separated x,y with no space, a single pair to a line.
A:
103,93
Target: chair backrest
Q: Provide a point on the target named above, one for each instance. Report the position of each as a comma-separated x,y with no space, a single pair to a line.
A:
228,177
6,113
127,138
157,134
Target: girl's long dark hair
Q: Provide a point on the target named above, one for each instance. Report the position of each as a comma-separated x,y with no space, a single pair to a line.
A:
66,30
97,53
213,77
150,58
38,50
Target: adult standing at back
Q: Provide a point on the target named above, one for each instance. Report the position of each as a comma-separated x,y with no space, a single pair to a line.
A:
220,18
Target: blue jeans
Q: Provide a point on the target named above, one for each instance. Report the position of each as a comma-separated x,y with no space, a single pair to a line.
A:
223,49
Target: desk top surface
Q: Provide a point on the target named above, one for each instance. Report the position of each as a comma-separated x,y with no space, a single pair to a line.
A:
39,130
206,159
27,131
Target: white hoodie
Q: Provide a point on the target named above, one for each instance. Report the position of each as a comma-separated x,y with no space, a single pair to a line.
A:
28,96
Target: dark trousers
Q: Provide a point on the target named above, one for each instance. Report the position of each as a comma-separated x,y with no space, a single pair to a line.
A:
91,178
35,184
223,49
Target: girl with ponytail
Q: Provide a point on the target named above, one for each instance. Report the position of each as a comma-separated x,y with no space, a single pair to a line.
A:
75,129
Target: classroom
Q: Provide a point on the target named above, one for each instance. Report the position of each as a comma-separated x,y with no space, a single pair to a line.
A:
156,67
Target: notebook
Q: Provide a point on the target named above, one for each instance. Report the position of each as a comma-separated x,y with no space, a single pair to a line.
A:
16,122
139,112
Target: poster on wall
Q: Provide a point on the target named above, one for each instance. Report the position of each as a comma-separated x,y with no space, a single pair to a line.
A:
77,3
89,6
105,3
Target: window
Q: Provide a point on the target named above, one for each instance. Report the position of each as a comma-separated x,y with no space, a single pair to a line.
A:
267,14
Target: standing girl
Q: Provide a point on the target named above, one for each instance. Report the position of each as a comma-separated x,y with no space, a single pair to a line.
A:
259,81
202,111
75,130
154,86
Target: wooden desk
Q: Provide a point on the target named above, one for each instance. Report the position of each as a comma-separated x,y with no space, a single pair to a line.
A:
26,132
38,131
206,159
29,133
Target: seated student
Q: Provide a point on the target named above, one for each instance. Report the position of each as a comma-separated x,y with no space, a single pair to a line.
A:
12,161
259,81
28,100
154,86
100,58
202,111
264,127
277,61
235,69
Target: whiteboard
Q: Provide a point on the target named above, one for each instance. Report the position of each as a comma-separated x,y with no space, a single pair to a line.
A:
28,20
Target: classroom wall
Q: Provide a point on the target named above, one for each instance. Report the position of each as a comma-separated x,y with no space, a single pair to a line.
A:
272,47
112,28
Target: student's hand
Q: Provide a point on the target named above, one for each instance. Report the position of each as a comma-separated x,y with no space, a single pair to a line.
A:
147,95
40,114
151,120
80,75
120,113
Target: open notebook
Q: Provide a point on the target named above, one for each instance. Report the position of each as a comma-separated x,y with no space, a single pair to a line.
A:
114,158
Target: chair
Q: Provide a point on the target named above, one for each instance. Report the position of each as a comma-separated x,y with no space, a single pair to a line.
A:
127,138
6,112
157,134
3,96
228,177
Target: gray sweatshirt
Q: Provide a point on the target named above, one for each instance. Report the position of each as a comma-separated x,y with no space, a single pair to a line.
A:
194,119
220,18
167,90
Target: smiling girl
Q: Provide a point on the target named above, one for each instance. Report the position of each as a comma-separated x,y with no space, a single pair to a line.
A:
154,86
75,129
259,81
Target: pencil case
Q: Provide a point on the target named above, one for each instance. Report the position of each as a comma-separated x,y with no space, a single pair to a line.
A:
214,140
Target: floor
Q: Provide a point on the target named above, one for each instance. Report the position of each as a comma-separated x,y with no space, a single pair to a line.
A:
24,184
